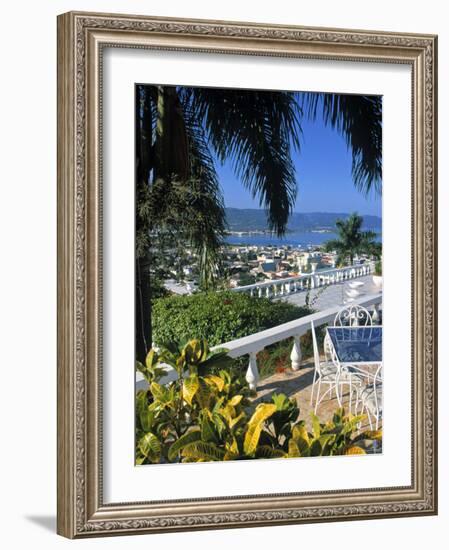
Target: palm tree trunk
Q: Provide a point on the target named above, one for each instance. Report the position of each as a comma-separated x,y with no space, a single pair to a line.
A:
142,308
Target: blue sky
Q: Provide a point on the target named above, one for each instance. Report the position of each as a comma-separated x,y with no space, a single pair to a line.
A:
323,172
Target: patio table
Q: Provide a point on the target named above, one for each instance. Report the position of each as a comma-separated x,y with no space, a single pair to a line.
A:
357,345
357,350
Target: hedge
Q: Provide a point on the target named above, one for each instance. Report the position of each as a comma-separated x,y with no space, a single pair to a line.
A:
217,316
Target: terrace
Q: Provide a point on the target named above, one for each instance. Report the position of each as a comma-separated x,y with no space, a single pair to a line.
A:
295,378
328,292
253,344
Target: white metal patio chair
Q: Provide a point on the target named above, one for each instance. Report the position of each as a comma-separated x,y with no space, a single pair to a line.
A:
370,399
353,316
331,375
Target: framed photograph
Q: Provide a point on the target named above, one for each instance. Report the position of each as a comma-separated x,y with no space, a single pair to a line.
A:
246,274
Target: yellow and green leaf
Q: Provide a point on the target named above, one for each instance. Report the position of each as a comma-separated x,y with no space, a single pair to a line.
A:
184,440
201,450
190,387
215,380
150,447
255,425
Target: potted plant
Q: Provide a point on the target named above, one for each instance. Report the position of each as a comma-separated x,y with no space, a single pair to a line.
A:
377,277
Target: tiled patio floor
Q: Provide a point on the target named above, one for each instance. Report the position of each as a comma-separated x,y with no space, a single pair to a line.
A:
298,384
332,295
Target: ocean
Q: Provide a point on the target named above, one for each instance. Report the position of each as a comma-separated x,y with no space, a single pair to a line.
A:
301,239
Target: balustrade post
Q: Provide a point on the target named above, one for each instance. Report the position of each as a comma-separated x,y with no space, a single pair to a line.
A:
251,292
252,374
268,292
296,355
259,293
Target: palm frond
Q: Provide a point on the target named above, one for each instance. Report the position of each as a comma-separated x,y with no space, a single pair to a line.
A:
359,119
206,232
256,130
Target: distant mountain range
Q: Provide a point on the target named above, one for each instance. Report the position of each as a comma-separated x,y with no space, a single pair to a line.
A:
252,219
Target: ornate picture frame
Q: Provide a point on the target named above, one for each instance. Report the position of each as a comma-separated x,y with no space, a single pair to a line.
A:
82,38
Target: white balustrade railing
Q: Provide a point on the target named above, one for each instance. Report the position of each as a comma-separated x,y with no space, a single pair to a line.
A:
254,343
281,287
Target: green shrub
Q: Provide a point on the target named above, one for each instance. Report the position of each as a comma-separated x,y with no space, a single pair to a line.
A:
217,317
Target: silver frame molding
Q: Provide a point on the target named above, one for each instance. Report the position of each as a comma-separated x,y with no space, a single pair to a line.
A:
81,38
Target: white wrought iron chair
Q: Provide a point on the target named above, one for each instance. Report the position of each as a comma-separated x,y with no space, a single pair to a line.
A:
353,316
370,399
330,374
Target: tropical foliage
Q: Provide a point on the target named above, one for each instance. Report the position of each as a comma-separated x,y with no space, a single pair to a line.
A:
352,240
206,414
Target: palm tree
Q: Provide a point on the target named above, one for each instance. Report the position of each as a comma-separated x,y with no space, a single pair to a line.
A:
352,240
179,134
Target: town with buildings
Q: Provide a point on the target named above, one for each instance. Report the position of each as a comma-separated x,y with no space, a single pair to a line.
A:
243,265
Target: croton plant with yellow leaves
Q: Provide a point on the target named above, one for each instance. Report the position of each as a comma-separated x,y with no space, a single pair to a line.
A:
208,414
